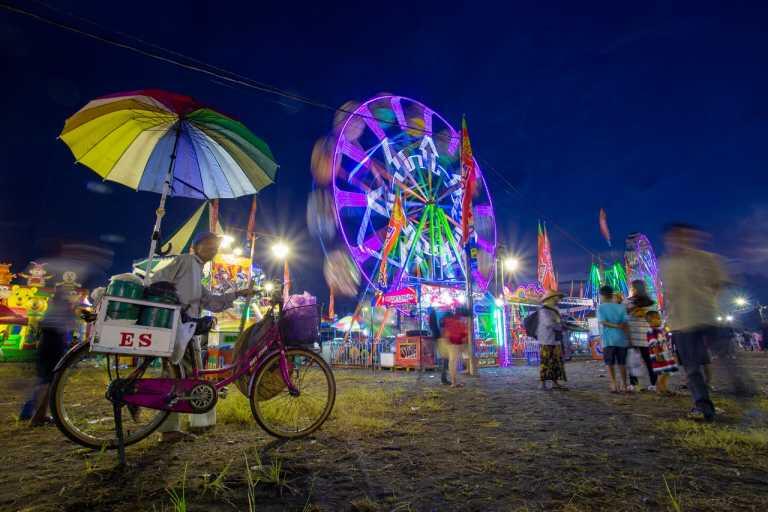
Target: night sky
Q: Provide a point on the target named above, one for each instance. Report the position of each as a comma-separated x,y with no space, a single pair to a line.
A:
654,113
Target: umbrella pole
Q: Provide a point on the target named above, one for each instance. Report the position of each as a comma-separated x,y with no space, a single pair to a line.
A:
161,208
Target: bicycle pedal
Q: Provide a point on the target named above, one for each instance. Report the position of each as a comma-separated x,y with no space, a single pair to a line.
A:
223,392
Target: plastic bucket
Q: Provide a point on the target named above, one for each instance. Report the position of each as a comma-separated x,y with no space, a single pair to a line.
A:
129,290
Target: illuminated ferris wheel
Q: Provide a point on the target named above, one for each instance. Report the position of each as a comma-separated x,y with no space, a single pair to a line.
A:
398,194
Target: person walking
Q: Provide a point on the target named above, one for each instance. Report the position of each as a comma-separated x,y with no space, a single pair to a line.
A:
638,304
435,324
550,335
612,318
455,329
186,273
57,324
693,280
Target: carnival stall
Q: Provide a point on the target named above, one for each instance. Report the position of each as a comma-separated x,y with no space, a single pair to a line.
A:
23,306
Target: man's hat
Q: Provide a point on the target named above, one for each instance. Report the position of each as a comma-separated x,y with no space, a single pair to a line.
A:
203,236
549,294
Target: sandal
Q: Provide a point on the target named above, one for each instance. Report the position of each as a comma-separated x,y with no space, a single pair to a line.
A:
44,422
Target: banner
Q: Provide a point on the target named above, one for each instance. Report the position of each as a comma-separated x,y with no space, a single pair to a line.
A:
402,297
546,270
469,180
604,226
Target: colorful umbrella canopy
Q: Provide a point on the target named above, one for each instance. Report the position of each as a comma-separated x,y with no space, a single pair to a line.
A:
347,324
132,138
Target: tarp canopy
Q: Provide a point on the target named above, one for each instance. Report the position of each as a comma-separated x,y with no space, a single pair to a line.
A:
180,242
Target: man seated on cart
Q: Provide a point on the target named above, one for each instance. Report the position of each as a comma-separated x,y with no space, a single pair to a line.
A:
186,273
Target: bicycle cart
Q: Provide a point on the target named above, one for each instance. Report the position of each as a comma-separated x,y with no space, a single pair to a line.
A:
134,365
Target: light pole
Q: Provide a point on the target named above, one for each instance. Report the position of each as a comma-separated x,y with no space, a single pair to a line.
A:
281,251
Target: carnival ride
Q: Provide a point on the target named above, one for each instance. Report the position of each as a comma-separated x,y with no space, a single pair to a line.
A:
640,261
395,189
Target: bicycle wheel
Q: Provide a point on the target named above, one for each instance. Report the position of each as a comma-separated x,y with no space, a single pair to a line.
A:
80,407
282,414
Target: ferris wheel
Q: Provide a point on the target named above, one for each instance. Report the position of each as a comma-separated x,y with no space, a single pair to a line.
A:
397,192
640,260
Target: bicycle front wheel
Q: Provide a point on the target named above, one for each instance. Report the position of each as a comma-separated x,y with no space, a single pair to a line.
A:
80,407
287,415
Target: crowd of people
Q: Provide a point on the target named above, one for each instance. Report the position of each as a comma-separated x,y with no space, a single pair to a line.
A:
639,338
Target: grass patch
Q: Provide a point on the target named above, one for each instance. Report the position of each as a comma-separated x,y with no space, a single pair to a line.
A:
675,502
360,406
179,499
234,410
366,409
736,443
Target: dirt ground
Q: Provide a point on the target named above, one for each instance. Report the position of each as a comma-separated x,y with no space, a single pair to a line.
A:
402,441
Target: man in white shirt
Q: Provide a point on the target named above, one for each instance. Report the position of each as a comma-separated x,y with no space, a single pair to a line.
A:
186,272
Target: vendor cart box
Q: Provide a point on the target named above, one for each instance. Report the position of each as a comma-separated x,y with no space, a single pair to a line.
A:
128,338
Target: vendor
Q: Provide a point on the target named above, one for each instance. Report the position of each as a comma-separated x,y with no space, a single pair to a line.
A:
186,273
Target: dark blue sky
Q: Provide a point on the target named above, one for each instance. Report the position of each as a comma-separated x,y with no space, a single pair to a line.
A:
654,113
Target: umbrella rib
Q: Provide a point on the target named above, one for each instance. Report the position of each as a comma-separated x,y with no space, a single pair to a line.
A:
113,130
125,150
204,140
191,186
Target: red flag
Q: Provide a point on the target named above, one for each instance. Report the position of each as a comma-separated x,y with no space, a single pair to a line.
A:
469,180
214,216
546,270
396,225
252,220
604,226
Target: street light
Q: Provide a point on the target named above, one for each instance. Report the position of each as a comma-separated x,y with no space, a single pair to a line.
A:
740,301
719,319
280,250
226,241
729,318
511,264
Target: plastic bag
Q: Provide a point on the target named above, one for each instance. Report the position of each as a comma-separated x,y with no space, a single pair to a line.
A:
634,362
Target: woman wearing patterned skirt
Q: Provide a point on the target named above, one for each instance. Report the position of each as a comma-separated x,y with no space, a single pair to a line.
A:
550,336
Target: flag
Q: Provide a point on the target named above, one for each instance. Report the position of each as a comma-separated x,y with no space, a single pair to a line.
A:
604,226
252,220
214,216
286,282
396,224
469,180
331,305
546,270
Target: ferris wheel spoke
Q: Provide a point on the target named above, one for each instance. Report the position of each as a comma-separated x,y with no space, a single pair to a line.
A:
452,243
450,190
410,248
372,122
397,108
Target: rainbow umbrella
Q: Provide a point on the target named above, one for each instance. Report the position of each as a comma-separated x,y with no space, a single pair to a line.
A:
167,143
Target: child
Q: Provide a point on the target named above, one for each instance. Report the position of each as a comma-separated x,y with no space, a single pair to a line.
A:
455,328
662,357
613,327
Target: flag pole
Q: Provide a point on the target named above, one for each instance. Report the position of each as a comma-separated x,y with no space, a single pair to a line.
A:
468,269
